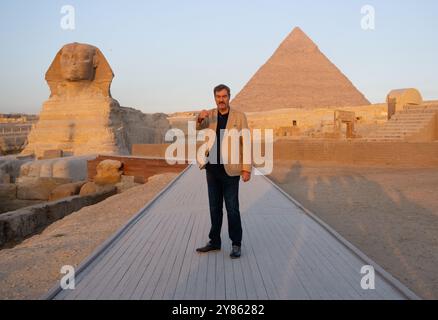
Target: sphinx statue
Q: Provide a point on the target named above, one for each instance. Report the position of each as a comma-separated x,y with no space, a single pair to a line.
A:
80,117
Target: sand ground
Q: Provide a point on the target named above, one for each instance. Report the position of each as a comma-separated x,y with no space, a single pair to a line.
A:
31,268
391,214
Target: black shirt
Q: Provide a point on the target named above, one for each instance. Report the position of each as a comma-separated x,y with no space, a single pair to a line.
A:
222,120
221,125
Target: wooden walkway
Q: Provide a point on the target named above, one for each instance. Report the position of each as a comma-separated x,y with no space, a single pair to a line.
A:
287,253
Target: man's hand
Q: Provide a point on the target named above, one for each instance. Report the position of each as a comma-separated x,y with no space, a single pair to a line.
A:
202,115
246,176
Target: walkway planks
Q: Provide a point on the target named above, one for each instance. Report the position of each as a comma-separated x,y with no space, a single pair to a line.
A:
287,253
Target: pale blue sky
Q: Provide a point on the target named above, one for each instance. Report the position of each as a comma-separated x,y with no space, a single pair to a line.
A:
167,55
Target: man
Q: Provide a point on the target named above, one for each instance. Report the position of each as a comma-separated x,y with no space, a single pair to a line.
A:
223,179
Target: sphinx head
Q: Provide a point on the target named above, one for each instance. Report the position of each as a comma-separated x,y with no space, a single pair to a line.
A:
78,62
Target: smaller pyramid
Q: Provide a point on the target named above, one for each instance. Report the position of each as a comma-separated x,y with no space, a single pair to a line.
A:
298,75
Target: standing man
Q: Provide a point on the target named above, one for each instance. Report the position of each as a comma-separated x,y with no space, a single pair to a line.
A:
223,179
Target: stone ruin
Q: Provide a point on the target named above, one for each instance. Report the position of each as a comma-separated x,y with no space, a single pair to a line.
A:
398,98
409,118
81,117
349,119
14,129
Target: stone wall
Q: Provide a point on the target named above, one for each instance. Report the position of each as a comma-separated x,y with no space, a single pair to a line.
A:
73,168
343,152
140,168
22,223
366,153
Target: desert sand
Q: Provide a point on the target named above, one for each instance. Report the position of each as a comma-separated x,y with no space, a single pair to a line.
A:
390,214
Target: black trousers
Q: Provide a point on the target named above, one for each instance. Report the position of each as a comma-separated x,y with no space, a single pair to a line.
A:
223,187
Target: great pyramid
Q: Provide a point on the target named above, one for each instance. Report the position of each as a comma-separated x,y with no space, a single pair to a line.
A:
298,75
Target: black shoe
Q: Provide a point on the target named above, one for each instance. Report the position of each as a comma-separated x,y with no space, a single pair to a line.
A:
235,252
208,248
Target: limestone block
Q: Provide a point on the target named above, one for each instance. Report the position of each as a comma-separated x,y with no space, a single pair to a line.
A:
5,178
66,190
127,179
52,154
8,191
74,168
38,188
24,170
126,182
92,188
108,172
24,180
45,169
30,169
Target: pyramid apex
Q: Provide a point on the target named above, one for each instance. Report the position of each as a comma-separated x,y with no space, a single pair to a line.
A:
297,30
298,40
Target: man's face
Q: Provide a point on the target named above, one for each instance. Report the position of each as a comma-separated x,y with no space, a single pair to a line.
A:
222,99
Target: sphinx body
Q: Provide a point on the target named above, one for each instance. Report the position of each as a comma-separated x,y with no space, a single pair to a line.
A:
80,117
